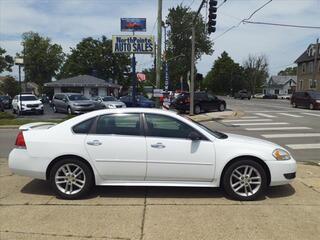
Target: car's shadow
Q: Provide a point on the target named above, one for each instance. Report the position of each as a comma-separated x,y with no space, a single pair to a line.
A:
40,187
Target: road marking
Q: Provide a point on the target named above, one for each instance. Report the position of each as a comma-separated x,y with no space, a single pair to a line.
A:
312,114
265,115
257,124
277,128
304,146
249,117
247,120
290,115
291,135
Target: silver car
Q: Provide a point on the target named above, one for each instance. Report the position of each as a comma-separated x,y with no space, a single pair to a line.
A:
72,103
109,101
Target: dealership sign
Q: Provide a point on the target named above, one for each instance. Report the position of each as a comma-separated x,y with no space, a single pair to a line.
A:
133,24
140,44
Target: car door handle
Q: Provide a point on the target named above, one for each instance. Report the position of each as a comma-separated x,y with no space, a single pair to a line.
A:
158,145
94,143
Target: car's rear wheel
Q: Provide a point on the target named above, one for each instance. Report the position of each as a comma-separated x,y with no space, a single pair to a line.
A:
294,105
245,180
54,109
311,106
71,178
222,107
197,109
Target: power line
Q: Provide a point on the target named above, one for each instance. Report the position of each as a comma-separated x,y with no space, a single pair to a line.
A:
282,25
241,21
221,4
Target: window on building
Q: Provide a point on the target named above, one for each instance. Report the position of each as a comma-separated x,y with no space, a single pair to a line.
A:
303,67
276,91
310,67
312,83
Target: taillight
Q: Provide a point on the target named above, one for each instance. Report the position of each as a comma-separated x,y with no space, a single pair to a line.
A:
20,140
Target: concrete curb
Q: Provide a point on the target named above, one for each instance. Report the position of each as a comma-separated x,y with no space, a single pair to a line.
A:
9,126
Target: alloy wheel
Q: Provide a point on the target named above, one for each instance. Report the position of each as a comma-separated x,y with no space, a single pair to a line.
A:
311,106
245,180
221,108
70,179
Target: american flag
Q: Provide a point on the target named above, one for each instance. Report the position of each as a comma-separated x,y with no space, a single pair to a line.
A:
141,77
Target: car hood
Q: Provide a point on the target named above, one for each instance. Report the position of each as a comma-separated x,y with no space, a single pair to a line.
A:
113,103
31,102
251,141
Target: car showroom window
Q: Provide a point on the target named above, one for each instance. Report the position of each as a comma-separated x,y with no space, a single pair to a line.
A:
119,124
83,127
163,126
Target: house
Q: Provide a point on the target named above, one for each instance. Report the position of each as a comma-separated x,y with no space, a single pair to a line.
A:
280,85
87,85
308,76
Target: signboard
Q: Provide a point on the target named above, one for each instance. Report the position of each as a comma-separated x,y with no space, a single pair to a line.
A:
157,92
133,24
140,44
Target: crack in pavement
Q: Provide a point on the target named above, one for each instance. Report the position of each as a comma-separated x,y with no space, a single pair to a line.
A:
144,213
66,235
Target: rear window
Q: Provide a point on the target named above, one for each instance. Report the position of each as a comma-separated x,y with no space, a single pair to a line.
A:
83,127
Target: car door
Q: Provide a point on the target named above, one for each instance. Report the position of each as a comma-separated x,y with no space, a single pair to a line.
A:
214,102
174,157
118,147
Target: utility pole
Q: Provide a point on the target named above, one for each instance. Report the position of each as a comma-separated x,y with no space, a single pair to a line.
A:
191,90
314,75
158,66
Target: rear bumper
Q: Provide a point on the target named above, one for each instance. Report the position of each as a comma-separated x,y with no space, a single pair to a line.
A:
282,172
22,164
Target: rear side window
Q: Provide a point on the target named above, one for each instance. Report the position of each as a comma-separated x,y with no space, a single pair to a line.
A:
83,127
119,124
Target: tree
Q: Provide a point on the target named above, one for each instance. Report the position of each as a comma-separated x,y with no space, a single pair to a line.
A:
179,43
9,86
256,72
225,76
6,61
289,71
95,57
42,59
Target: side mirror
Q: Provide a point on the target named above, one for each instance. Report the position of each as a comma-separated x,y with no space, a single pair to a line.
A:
194,136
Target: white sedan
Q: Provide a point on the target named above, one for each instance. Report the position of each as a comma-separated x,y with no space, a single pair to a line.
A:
146,147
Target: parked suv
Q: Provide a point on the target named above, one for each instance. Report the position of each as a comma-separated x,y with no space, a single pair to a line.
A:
72,103
202,102
26,103
308,99
242,94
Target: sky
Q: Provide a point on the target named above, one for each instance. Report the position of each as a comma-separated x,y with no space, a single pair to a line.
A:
67,22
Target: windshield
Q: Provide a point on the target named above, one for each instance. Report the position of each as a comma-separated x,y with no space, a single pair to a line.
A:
109,98
214,133
28,98
77,97
315,95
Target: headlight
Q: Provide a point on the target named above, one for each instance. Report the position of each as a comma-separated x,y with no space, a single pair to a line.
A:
281,154
23,104
111,106
317,101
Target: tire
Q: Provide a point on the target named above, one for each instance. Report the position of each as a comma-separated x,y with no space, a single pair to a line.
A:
70,190
197,109
235,174
54,109
41,112
294,105
13,111
69,110
311,106
222,107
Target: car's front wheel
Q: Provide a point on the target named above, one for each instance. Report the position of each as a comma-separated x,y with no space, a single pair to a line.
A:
69,110
311,106
71,178
197,109
222,107
245,180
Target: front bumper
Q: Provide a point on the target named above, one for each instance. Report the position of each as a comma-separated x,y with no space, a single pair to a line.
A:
22,164
32,109
282,172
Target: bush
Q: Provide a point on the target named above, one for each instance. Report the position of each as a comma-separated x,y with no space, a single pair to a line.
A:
5,115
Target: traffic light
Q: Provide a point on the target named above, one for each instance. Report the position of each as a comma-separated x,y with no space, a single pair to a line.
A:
212,16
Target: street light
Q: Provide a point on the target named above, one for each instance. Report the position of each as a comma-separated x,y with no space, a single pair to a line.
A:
19,62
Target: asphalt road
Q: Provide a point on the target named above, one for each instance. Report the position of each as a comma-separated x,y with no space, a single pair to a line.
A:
298,130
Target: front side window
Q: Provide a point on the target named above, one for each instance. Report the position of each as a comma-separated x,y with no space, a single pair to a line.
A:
163,126
119,124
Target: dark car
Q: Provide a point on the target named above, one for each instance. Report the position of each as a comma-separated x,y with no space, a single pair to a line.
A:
1,105
6,100
308,99
141,101
242,94
203,102
270,96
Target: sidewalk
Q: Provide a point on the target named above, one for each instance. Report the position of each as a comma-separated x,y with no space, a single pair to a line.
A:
29,210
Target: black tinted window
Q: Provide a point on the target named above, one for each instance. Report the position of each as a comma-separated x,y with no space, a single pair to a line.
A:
83,127
121,124
77,97
163,126
28,98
